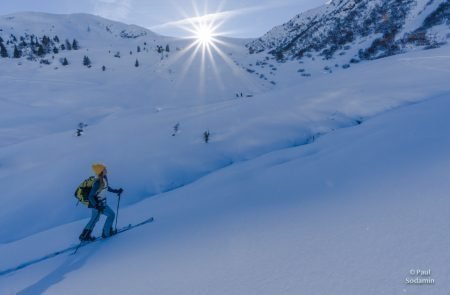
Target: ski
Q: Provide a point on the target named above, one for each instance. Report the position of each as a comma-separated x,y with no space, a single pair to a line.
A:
72,248
119,231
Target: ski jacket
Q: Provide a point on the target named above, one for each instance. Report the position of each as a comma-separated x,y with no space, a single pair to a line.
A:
97,194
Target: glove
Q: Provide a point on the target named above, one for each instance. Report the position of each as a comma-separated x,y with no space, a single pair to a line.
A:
119,191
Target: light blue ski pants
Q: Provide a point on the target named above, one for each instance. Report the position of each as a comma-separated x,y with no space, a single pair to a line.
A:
110,215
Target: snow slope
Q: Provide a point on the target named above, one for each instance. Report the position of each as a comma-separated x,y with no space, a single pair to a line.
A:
284,199
354,212
145,158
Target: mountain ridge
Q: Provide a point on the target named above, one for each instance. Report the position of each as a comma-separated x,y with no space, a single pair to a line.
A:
375,28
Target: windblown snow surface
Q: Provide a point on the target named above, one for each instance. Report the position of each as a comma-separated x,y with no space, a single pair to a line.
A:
332,184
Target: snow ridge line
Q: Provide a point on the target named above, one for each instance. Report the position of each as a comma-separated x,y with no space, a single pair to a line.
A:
352,122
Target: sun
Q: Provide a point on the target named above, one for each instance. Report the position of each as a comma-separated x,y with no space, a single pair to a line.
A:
204,35
204,46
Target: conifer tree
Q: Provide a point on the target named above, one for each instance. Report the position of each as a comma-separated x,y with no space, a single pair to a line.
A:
40,50
279,55
17,53
206,136
136,64
176,128
68,45
75,45
86,61
64,62
45,41
3,51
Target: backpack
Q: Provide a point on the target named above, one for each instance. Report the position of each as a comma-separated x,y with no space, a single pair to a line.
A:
83,190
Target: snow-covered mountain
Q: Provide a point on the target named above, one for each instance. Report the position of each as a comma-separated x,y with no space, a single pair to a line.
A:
361,29
51,39
130,70
318,177
26,32
45,42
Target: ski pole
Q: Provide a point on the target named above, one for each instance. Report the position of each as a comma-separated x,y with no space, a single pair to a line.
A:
118,204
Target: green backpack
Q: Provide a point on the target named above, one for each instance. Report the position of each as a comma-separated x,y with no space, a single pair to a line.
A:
83,190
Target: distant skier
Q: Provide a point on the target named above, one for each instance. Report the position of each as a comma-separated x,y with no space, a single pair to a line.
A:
97,201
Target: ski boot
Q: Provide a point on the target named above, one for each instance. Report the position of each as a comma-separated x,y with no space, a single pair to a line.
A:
112,232
86,236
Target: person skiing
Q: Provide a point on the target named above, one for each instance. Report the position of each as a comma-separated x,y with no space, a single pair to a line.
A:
97,201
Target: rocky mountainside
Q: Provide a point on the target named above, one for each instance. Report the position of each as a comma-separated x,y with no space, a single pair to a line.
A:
368,28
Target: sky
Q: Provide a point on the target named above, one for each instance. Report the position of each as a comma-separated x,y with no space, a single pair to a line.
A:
237,18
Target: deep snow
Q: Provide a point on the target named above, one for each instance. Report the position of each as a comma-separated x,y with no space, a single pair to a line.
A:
292,195
351,212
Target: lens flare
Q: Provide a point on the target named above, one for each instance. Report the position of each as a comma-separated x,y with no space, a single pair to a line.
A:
203,48
205,35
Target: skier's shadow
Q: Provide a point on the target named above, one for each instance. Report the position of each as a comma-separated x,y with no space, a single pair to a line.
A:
72,263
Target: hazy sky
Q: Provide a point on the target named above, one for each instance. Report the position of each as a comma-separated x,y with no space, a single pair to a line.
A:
241,18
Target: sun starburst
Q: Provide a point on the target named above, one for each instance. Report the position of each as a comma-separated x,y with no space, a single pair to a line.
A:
205,35
205,47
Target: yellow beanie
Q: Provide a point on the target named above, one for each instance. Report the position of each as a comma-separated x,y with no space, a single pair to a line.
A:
98,168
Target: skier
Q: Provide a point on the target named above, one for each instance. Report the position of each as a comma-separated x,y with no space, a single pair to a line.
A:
97,201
